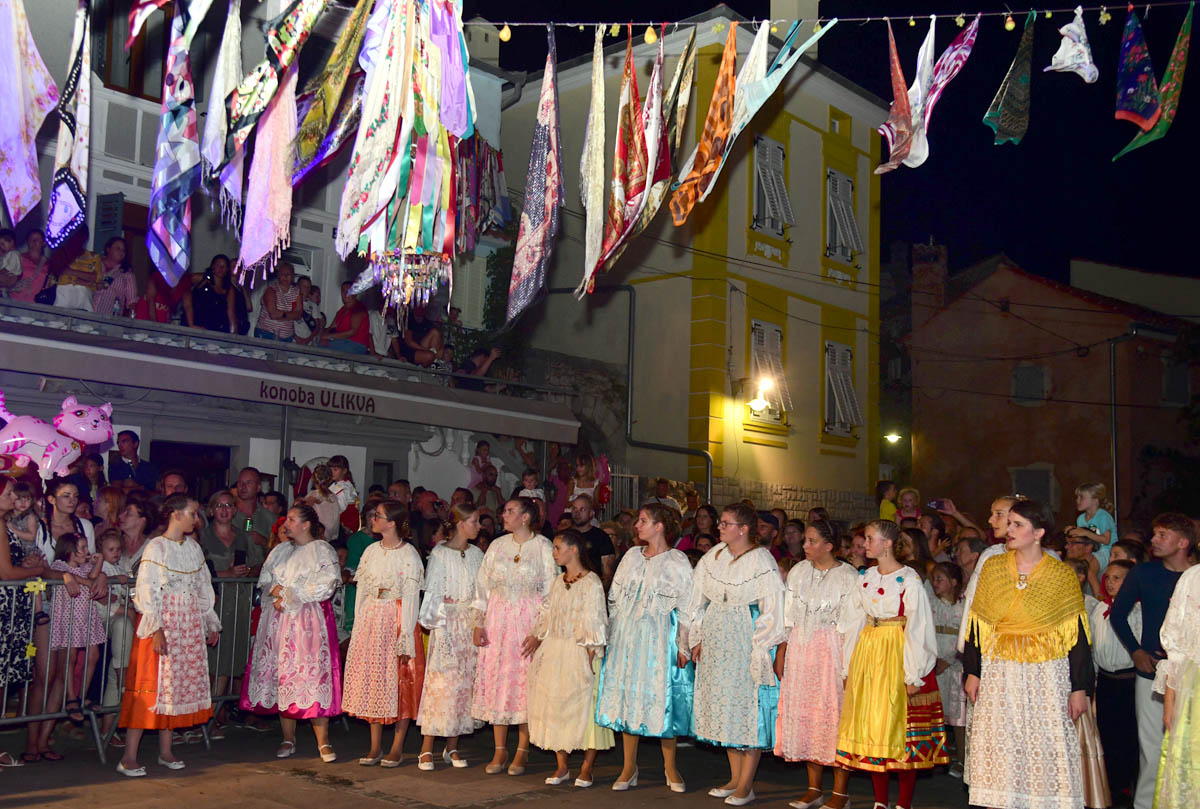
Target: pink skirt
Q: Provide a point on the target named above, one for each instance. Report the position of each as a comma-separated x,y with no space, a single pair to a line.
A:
294,668
810,698
379,688
500,681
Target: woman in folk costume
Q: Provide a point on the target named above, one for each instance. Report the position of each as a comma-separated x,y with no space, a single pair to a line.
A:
891,652
1177,680
512,583
294,668
735,623
810,665
385,664
1029,671
166,686
568,637
446,613
646,681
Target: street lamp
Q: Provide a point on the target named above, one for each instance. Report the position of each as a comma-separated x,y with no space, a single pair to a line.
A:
892,438
759,403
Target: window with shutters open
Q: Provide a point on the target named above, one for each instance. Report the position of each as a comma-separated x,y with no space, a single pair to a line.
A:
842,237
766,363
842,410
772,207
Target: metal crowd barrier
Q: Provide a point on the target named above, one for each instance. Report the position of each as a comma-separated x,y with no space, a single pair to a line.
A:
29,670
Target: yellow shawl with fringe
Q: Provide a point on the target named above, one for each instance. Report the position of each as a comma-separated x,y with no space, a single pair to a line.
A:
1033,625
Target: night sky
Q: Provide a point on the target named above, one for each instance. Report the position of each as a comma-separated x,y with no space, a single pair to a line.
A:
1055,196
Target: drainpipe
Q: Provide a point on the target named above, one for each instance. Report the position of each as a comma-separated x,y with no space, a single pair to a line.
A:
629,439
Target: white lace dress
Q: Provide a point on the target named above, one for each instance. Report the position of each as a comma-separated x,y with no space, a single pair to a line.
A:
1179,767
295,667
736,617
947,618
562,682
450,666
810,696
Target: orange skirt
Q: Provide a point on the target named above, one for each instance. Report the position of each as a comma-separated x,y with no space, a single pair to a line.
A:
141,694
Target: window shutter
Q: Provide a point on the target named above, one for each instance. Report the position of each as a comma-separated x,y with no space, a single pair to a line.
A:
842,236
779,178
839,379
766,360
762,166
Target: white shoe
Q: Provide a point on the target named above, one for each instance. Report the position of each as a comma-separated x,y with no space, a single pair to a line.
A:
136,772
579,782
555,780
171,765
621,786
448,757
807,804
879,805
427,766
719,792
329,757
369,761
285,750
677,787
839,795
735,801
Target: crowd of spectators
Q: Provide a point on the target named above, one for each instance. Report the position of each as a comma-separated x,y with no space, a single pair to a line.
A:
286,307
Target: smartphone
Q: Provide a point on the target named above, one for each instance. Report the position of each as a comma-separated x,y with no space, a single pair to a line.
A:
936,505
239,558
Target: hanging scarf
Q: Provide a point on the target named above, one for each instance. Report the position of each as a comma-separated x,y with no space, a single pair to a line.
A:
1008,115
226,75
1074,54
787,58
139,12
754,69
266,231
591,165
698,173
1170,90
455,104
341,130
1137,92
948,65
68,196
898,128
285,36
1031,625
631,162
327,86
389,82
654,127
31,95
177,163
543,196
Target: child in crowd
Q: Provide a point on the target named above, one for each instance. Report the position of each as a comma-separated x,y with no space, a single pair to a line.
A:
885,493
909,507
10,260
1094,521
75,626
1115,679
947,587
1083,570
480,461
118,614
569,636
584,481
1128,549
343,489
530,486
23,520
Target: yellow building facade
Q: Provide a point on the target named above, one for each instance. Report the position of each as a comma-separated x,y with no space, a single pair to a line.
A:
746,292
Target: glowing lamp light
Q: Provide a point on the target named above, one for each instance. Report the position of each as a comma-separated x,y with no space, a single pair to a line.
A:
650,37
759,403
505,33
892,438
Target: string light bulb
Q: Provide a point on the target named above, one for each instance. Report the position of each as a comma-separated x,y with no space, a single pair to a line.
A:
505,33
614,30
817,27
912,23
1009,23
960,21
1049,14
650,37
1104,15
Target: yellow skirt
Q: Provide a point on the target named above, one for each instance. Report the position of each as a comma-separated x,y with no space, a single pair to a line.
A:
875,709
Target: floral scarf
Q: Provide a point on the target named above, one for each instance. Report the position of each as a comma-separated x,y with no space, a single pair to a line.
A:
1170,90
31,95
326,88
1008,114
212,147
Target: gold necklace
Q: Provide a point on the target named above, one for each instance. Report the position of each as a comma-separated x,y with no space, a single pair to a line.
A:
517,557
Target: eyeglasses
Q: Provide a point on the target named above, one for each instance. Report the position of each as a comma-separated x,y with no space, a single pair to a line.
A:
723,524
223,505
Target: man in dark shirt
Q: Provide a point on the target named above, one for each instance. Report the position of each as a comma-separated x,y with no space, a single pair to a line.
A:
129,467
1152,584
600,549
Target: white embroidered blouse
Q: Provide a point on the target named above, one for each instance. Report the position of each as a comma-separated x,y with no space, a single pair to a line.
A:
177,569
449,580
388,574
310,574
512,571
724,581
653,585
575,613
879,597
1180,632
816,599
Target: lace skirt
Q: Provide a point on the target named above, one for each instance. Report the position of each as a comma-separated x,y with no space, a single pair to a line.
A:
450,676
1021,717
810,698
378,687
562,698
642,689
294,666
730,709
500,694
1179,765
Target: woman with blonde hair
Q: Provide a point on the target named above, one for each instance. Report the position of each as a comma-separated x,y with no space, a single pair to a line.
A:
446,612
892,715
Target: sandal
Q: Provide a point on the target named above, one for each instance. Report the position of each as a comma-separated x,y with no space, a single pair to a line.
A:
6,760
50,755
31,758
72,713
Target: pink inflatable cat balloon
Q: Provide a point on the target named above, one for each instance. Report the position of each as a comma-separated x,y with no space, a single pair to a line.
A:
55,448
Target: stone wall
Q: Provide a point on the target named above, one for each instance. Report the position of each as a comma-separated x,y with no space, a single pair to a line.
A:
848,507
599,401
